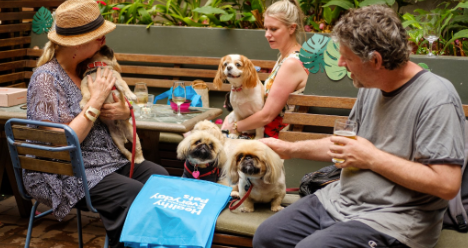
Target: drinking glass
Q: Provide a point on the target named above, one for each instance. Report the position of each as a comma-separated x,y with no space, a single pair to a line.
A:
178,95
431,30
344,128
141,92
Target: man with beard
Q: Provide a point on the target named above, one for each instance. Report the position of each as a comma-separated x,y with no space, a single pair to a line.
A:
405,164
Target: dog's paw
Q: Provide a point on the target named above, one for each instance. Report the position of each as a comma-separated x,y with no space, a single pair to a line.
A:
235,194
82,104
276,208
246,210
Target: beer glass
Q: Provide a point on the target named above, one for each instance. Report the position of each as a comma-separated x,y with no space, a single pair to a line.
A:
344,128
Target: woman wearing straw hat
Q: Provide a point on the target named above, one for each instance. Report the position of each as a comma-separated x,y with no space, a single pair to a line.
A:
54,95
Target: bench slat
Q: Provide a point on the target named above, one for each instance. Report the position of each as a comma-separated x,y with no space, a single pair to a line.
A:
12,65
12,77
311,119
15,41
167,83
297,136
322,101
46,166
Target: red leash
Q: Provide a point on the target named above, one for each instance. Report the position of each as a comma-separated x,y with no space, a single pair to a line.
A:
231,207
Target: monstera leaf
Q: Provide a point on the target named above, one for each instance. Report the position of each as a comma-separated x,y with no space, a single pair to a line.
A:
42,21
311,54
334,72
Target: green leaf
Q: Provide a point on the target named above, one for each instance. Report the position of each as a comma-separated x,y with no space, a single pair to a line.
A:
460,18
424,66
390,2
257,5
332,54
145,18
42,21
311,54
372,2
208,10
149,25
458,35
341,3
461,5
413,23
226,17
189,22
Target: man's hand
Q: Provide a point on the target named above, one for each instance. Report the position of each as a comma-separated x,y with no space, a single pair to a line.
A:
279,146
115,111
359,153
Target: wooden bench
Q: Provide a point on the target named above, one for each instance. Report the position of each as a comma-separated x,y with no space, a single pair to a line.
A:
157,71
313,118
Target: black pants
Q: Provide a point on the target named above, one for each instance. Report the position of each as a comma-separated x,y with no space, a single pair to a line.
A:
114,194
307,224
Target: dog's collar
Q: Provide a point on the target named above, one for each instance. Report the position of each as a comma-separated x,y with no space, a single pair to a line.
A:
97,64
207,171
236,89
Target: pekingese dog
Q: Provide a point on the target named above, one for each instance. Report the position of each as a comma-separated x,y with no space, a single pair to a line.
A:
203,152
247,91
121,131
253,163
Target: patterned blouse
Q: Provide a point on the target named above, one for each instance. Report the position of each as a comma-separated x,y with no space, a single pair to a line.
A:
273,128
52,96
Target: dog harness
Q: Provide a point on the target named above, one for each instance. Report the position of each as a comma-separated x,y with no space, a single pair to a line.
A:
211,174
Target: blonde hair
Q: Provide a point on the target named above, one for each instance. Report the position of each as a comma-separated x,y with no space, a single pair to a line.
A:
48,54
289,13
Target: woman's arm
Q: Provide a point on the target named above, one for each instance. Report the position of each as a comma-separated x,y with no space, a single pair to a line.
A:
288,78
99,89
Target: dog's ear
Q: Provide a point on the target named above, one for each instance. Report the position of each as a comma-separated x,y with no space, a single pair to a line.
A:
106,51
250,73
183,148
220,77
274,166
231,170
116,65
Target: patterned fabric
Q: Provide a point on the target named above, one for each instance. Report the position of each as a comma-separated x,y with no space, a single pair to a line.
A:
273,128
52,96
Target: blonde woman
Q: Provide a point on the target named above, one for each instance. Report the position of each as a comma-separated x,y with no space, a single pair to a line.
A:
54,95
284,31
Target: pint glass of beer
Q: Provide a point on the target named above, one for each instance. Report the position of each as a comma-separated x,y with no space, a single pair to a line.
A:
345,128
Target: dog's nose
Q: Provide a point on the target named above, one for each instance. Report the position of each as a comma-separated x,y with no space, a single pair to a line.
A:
202,151
229,68
250,169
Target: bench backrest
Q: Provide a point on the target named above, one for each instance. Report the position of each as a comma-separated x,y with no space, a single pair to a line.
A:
158,71
314,116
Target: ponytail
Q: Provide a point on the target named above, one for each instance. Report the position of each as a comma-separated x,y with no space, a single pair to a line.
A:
289,13
48,54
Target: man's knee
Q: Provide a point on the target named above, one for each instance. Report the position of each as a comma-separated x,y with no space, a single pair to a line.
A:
264,235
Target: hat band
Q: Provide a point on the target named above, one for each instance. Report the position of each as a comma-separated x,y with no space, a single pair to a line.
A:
81,29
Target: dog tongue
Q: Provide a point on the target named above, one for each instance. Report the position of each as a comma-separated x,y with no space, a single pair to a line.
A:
196,174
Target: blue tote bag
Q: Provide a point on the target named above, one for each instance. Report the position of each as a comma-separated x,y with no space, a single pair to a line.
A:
174,212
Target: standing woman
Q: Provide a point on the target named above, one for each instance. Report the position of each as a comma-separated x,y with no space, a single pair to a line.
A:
54,95
284,30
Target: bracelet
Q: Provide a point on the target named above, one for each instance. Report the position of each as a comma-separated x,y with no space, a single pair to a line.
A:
92,114
235,126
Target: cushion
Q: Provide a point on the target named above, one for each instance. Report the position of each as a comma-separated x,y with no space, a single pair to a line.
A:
165,137
236,222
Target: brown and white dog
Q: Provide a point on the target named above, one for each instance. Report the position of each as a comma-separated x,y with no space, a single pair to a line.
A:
121,131
247,91
252,162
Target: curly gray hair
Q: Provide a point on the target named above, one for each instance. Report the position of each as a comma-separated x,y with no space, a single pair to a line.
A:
374,28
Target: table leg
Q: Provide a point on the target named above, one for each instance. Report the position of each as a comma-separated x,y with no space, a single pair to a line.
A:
150,144
24,206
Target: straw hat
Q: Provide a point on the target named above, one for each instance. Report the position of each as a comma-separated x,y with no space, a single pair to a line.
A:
78,22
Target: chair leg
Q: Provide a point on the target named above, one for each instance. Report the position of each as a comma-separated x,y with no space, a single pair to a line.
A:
80,235
106,243
30,225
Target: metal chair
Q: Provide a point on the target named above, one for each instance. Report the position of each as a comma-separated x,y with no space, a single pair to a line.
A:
58,152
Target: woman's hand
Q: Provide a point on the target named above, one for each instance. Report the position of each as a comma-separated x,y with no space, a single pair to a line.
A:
118,110
101,87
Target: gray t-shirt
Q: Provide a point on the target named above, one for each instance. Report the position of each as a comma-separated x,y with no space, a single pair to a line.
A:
423,121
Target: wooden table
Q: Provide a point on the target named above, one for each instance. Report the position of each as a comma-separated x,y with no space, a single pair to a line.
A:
148,131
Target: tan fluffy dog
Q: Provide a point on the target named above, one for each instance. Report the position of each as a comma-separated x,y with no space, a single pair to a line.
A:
203,151
121,131
253,161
